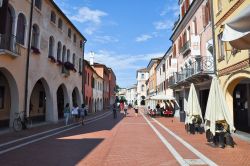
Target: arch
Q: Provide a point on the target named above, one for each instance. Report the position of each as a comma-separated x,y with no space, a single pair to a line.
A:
62,99
76,99
51,46
40,101
229,85
35,36
53,16
21,28
14,95
59,51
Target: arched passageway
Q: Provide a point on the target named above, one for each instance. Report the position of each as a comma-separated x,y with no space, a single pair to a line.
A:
38,102
241,105
9,102
62,99
76,100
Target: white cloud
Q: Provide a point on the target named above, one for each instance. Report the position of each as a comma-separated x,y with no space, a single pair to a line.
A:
171,9
85,14
143,38
162,25
105,39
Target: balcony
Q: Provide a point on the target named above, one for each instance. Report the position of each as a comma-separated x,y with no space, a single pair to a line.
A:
185,49
201,67
8,45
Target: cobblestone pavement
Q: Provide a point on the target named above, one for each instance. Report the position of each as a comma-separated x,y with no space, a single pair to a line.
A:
104,141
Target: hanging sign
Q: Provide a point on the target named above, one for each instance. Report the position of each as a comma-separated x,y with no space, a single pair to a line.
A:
195,45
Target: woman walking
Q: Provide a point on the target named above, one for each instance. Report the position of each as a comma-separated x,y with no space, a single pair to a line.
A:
136,110
66,112
82,113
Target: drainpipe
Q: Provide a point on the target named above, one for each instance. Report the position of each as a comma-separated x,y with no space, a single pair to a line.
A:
83,73
213,32
28,61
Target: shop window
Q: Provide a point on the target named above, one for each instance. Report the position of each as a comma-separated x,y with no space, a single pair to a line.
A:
2,89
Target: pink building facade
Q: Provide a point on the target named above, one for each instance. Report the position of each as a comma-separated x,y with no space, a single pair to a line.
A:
193,49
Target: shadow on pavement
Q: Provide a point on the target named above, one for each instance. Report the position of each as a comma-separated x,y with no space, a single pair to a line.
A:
67,148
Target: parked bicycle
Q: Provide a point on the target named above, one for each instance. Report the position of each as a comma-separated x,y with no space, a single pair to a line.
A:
21,121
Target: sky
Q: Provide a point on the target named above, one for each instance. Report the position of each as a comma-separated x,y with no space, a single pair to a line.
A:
123,34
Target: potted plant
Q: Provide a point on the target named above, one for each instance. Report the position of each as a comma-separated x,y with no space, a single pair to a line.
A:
35,50
52,59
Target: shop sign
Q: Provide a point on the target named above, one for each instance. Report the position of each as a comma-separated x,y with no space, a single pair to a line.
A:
195,45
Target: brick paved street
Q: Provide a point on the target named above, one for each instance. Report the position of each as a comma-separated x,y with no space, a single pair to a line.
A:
117,142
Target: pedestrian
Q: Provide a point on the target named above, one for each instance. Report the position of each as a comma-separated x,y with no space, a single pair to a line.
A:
66,112
115,110
125,109
81,110
74,113
136,110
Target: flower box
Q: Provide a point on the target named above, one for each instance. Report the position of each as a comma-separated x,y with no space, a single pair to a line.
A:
52,59
59,62
35,50
69,66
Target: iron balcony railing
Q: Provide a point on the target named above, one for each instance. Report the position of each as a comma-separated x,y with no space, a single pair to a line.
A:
8,42
185,47
201,65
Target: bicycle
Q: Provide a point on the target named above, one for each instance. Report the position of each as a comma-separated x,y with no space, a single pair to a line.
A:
21,121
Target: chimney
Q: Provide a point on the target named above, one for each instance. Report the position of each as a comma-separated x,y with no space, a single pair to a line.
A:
91,61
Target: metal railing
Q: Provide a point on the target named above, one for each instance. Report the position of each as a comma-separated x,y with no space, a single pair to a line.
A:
8,42
201,65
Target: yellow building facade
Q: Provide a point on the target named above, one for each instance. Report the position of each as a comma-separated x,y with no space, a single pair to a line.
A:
232,61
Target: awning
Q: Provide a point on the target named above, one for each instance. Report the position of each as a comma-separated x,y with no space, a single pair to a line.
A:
237,31
162,97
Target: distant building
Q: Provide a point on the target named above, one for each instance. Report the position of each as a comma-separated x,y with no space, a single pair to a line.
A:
141,77
131,94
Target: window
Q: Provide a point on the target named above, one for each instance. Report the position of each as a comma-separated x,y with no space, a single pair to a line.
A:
59,50
74,38
60,23
80,65
68,55
41,99
74,58
195,27
53,17
20,32
81,43
219,4
142,88
69,33
142,76
221,47
35,36
163,68
38,4
206,16
51,46
2,97
64,54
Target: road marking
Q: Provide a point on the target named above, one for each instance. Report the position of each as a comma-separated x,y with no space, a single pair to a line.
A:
47,136
48,131
176,155
195,161
187,145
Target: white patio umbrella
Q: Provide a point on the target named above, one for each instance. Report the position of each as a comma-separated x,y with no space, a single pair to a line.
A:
193,105
217,108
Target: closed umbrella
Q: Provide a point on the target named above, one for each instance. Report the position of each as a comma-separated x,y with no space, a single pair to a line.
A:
193,106
217,108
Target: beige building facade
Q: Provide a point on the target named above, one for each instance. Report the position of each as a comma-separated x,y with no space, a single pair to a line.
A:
55,62
232,58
